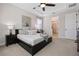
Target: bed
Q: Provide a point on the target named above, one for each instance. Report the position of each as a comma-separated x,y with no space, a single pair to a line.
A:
30,39
32,43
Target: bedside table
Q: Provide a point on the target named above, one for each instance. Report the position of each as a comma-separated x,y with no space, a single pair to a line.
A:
10,39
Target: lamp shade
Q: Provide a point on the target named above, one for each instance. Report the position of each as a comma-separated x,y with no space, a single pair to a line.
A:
10,26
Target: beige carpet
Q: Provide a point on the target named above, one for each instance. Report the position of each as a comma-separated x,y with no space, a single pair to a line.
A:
59,47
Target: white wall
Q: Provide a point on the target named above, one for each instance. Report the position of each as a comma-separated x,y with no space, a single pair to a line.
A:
2,33
61,24
70,23
10,14
47,25
78,20
13,15
70,26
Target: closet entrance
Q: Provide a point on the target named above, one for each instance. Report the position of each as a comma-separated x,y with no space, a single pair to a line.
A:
55,32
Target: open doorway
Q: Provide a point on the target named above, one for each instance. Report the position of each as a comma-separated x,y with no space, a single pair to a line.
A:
54,23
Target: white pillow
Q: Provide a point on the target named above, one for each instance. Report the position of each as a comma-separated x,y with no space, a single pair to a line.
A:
26,28
21,32
28,32
32,32
25,32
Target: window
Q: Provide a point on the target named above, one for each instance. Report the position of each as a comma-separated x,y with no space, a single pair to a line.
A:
38,24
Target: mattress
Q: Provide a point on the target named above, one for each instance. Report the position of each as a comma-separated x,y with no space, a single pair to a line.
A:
30,39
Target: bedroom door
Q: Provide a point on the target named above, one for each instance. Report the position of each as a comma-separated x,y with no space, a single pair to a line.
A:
70,26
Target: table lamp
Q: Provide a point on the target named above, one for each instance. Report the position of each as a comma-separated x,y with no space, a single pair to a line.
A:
10,28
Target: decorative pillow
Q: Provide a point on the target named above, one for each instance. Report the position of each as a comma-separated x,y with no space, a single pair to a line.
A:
34,32
25,32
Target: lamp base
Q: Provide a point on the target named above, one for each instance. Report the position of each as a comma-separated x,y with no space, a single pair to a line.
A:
10,32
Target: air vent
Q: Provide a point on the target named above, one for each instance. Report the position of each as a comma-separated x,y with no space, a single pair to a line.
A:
72,5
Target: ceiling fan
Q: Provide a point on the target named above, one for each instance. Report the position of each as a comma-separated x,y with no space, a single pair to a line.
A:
43,5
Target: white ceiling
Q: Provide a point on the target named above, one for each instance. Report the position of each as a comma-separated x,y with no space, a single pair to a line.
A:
60,7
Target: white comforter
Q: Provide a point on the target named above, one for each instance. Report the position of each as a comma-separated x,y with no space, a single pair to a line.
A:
30,39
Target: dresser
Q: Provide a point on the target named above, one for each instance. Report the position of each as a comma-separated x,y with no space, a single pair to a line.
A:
78,41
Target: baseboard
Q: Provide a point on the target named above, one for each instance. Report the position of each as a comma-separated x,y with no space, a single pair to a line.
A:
67,38
1,44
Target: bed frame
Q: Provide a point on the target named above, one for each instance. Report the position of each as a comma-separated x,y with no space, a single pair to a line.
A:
34,49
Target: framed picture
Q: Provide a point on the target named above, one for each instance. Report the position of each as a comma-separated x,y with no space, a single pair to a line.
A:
26,21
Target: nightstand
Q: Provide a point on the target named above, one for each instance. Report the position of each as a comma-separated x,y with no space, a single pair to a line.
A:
49,39
10,39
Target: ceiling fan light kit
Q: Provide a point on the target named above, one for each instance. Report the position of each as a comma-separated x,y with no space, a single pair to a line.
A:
43,5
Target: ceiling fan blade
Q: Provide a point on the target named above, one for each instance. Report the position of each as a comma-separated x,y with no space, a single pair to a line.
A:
50,5
43,8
